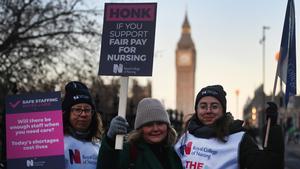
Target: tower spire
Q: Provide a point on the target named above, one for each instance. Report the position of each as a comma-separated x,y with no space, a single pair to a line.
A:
186,39
186,28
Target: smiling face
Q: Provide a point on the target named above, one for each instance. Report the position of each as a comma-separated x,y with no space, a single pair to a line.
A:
209,109
154,132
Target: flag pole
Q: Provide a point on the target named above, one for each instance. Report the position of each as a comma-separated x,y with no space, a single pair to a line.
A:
269,120
286,65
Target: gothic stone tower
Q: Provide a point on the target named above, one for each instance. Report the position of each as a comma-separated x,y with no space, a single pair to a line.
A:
185,70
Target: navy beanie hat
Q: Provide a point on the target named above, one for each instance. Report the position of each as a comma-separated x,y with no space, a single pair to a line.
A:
216,91
76,92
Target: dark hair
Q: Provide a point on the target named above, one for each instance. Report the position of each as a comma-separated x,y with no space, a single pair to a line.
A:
220,127
95,128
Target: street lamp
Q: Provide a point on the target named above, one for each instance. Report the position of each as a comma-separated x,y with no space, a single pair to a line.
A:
253,115
237,93
263,42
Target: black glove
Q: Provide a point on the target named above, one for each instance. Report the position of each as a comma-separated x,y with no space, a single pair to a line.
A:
272,112
118,125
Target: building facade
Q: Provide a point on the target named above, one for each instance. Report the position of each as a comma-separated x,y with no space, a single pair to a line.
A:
254,110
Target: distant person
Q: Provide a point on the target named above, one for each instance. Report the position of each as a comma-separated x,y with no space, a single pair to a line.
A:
149,145
289,130
82,127
214,140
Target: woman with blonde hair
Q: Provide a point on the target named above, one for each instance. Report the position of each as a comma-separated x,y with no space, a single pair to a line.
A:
149,145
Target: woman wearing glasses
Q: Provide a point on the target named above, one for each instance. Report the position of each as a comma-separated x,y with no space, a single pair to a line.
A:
214,140
82,127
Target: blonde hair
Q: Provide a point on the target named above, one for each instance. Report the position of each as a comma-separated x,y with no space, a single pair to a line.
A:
137,134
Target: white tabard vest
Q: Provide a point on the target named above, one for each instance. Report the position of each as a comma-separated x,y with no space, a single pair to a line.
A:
80,154
200,153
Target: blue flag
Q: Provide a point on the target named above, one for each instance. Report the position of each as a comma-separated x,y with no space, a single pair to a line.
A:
287,61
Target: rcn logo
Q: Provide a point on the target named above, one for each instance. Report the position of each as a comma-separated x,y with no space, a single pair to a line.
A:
186,148
74,156
29,163
76,97
118,68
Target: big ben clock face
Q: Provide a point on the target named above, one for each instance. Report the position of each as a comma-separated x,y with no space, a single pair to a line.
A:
184,60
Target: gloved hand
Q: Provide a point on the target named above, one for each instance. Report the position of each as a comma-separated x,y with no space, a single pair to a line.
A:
272,112
118,125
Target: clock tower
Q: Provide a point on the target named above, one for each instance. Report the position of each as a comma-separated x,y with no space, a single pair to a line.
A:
185,70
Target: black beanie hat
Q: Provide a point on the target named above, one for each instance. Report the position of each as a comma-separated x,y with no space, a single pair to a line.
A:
76,92
216,91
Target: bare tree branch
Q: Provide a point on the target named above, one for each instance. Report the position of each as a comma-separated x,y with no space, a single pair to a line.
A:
38,37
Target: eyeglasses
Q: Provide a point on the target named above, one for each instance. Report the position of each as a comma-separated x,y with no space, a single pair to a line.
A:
79,111
212,107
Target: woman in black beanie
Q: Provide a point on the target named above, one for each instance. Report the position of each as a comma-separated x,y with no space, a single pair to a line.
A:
214,140
82,127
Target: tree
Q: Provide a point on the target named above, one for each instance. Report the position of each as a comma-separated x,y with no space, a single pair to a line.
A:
43,39
106,97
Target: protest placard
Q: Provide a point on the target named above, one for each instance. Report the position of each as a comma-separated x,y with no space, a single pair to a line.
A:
127,45
128,39
34,131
